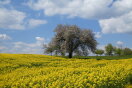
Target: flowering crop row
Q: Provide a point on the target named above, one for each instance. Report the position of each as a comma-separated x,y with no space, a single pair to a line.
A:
40,71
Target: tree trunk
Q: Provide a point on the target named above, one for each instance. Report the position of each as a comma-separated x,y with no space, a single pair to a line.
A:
70,54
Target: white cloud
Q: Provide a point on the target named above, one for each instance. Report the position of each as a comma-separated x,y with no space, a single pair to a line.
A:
39,38
119,43
121,24
22,47
121,7
36,22
81,8
114,16
101,47
4,37
4,2
11,19
97,34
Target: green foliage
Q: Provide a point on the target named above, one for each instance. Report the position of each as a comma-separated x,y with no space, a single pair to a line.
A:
99,52
109,49
127,51
118,51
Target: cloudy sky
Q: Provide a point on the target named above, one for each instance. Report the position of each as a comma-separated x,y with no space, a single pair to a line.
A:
26,24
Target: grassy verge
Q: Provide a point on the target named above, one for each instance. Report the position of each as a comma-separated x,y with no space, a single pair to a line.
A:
100,57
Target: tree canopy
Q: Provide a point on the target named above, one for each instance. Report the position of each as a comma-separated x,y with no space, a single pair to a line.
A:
109,49
70,38
99,52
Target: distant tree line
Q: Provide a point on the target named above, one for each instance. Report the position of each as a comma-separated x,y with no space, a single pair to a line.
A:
71,40
111,50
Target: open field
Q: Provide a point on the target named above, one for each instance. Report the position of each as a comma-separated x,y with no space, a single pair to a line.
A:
40,71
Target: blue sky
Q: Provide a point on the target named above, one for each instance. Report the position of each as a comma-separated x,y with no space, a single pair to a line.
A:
26,24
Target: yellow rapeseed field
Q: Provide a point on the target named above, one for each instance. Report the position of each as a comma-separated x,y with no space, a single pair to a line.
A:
41,71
